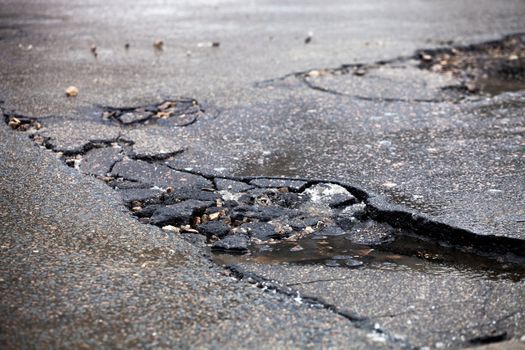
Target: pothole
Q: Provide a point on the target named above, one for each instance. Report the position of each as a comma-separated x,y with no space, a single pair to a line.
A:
290,221
490,68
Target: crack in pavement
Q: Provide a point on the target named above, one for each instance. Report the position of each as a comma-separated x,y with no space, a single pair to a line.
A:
358,321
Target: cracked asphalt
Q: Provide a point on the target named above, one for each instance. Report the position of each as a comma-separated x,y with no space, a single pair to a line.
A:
367,101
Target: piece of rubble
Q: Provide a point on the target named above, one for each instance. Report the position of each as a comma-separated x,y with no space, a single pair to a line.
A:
231,244
158,44
260,230
326,196
179,214
214,228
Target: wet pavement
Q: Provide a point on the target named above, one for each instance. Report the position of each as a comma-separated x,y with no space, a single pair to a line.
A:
364,171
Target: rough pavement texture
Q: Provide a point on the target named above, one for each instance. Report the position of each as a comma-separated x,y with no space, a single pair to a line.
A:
455,156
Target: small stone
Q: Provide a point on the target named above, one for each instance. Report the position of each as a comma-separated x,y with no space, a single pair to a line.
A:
71,91
159,45
14,122
188,229
170,228
126,46
313,74
360,71
309,230
215,44
425,56
231,244
308,38
296,248
289,199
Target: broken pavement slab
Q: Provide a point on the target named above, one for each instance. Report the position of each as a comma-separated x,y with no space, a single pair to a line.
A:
157,174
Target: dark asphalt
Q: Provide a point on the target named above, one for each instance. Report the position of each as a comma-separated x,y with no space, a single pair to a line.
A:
79,271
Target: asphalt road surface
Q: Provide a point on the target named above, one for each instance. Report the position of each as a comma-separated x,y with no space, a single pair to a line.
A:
416,107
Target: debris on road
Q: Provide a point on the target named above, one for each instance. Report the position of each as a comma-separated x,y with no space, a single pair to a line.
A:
159,45
71,91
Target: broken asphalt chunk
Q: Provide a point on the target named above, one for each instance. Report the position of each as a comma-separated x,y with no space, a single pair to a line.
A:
371,233
158,175
99,161
231,244
214,228
184,193
260,230
146,195
179,214
328,196
231,185
293,185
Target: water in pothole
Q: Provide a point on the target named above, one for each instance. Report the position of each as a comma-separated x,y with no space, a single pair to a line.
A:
496,86
405,252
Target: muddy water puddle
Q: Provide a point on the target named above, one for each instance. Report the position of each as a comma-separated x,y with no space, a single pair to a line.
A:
405,252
